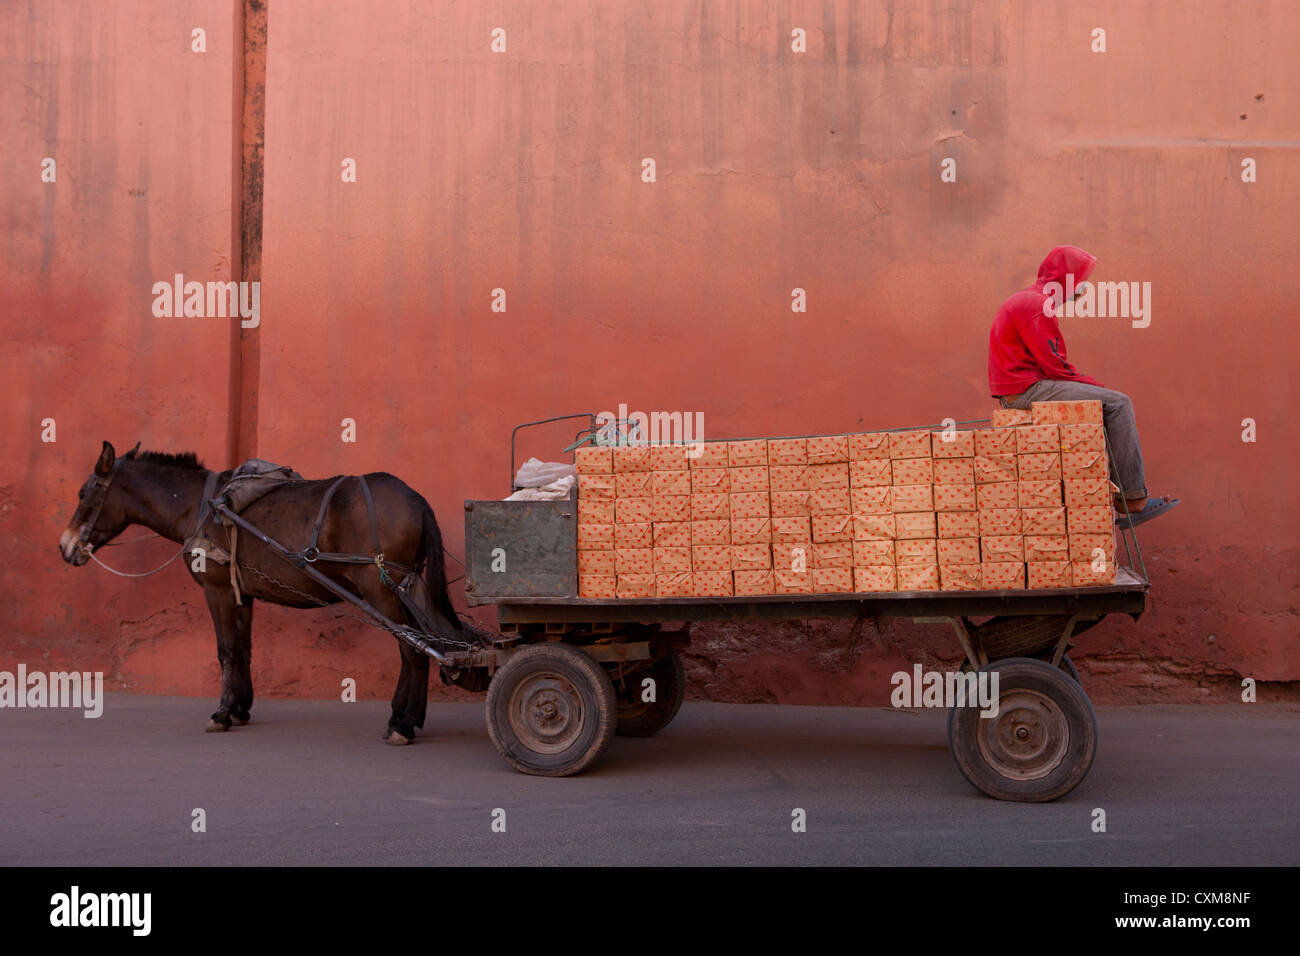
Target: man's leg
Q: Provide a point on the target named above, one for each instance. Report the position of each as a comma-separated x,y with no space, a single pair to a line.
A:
1120,423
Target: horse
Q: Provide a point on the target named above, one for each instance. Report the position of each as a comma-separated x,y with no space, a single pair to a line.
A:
164,492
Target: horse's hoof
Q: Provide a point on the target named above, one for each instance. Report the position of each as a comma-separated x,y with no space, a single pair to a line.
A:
394,739
240,719
216,727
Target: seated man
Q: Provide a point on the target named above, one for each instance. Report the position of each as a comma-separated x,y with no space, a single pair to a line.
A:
1027,364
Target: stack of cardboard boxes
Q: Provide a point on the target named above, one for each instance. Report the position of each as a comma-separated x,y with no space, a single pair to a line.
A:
1023,503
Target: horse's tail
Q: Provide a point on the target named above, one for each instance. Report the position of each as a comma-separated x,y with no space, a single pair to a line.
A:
445,618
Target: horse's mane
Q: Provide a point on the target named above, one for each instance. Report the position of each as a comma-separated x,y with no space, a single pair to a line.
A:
186,459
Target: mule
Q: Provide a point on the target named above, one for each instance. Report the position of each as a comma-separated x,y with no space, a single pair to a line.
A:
163,492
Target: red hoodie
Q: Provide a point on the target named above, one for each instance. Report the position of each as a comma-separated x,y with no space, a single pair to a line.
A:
1024,344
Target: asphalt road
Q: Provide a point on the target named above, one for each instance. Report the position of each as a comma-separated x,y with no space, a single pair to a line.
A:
309,782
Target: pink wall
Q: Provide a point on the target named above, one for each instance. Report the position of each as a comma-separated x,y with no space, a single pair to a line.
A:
521,171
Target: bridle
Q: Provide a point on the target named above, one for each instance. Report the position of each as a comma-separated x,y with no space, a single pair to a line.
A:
98,494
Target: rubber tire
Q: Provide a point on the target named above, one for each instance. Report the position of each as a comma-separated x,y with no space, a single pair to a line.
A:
594,703
964,727
670,690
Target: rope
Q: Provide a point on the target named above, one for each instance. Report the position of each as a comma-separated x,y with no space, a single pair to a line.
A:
124,574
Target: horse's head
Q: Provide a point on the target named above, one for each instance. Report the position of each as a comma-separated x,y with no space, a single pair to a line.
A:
101,509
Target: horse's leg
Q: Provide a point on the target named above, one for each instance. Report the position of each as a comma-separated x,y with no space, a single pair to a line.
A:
222,607
242,654
412,696
398,714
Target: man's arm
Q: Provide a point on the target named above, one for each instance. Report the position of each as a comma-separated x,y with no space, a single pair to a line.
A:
1042,336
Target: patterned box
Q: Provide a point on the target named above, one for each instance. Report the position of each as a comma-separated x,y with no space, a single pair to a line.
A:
828,448
750,504
672,534
634,560
1010,417
633,510
918,577
1047,547
600,487
635,484
1037,439
710,557
712,454
791,504
871,500
1098,519
1049,574
671,508
958,524
672,560
710,531
1083,547
789,529
917,551
913,471
670,483
597,562
670,457
953,444
838,554
911,498
994,468
997,548
751,531
992,442
798,557
870,445
747,454
1084,464
1077,438
1042,467
954,497
635,586
710,506
1042,520
878,551
751,557
753,582
596,537
961,577
675,584
1083,575
867,472
1002,494
827,528
706,481
595,511
1039,494
788,478
872,527
999,521
915,524
1004,575
712,583
909,444
638,534
596,586
748,479
834,475
830,501
875,578
958,551
793,582
787,451
1086,492
832,580
630,458
592,460
954,471
1066,413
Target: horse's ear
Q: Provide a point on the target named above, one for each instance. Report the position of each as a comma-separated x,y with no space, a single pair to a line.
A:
104,466
131,454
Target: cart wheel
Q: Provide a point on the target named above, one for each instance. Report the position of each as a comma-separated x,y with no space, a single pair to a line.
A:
636,718
1067,665
551,710
1040,744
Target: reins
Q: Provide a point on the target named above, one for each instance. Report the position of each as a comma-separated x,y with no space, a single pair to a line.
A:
204,513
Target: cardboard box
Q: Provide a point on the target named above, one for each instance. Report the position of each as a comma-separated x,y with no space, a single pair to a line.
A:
1043,467
1002,494
871,500
828,476
595,537
909,444
958,551
1098,519
1084,464
915,524
1077,438
994,468
1046,547
911,498
713,583
1086,492
635,586
870,445
595,511
751,557
1084,547
838,554
953,444
1049,574
1038,439
748,479
826,528
672,560
750,504
961,577
793,557
1004,575
1066,413
995,521
954,471
670,457
634,560
872,553
873,527
788,478
633,510
1043,520
786,530
596,487
751,531
1010,417
710,506
918,577
791,504
675,584
593,460
710,531
993,442
999,548
753,582
830,501
596,586
793,582
638,534
917,551
597,562
913,471
827,449
709,454
671,534
875,579
1039,494
871,472
958,524
635,484
954,497
628,458
1083,575
707,481
672,507
832,580
787,451
670,483
747,454
711,557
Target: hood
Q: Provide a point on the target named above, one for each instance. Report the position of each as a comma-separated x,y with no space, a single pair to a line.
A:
1063,260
